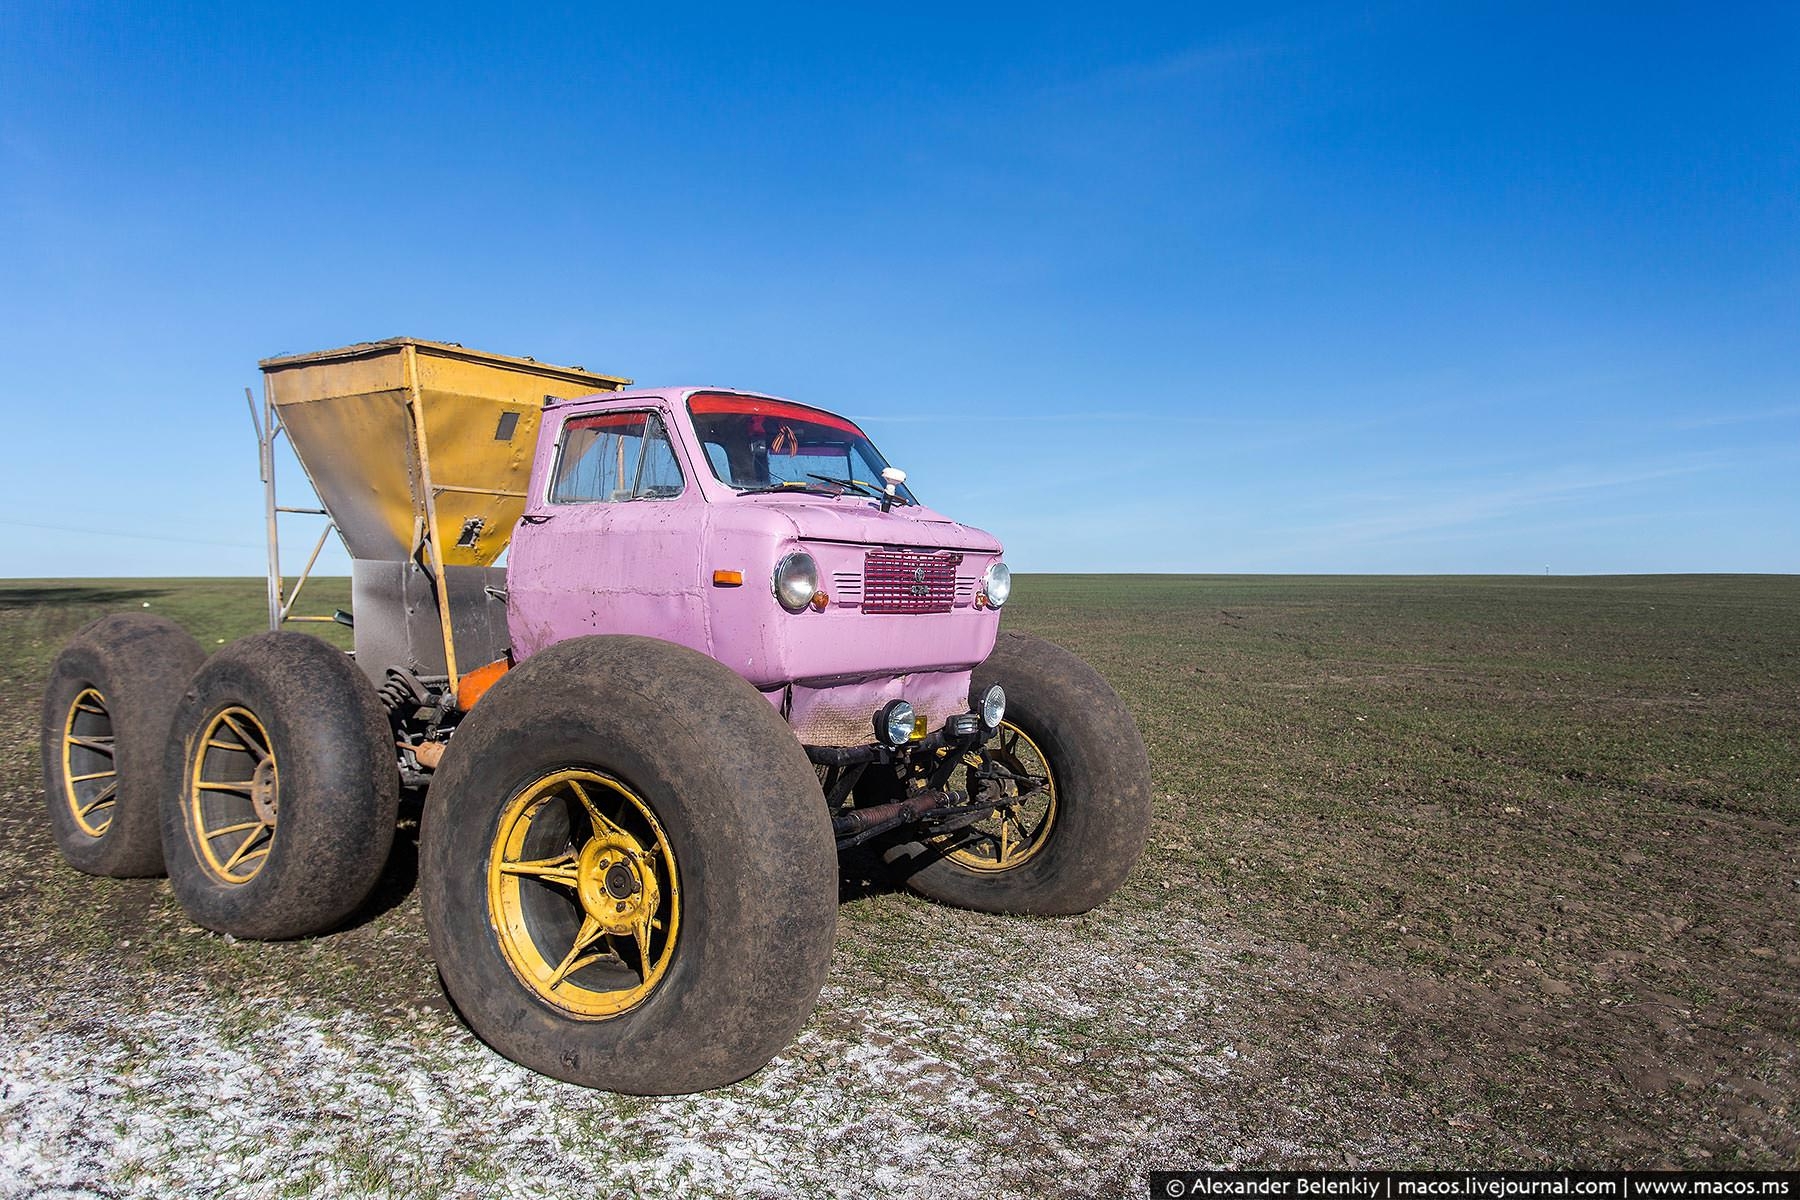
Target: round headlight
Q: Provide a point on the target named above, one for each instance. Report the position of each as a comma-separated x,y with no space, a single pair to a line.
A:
996,584
993,707
894,723
796,580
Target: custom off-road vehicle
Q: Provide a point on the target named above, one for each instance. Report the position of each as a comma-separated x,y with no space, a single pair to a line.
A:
728,643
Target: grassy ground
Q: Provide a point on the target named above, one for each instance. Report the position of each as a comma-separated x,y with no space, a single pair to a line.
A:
1443,871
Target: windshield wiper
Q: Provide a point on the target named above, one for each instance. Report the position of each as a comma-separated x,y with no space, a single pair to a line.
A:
867,489
791,486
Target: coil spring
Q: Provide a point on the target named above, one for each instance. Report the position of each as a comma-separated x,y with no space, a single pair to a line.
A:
395,693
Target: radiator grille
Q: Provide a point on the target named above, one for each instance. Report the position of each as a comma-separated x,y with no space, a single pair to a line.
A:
846,587
901,581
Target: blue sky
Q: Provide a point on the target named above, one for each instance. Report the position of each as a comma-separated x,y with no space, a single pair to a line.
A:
1166,288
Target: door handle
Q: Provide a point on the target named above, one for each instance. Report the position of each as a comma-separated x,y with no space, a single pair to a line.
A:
536,518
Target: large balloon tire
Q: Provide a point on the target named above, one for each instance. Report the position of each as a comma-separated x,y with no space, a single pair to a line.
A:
1101,776
111,695
695,760
311,726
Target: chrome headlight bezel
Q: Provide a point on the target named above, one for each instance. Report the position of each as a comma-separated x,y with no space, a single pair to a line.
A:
795,580
996,584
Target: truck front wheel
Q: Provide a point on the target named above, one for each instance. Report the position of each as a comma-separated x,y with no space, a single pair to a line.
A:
1071,785
627,870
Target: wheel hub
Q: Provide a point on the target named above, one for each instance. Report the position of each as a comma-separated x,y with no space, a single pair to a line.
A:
90,775
233,791
620,882
1023,798
616,883
263,796
587,918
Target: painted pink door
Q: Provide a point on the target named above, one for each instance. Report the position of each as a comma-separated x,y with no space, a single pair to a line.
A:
612,544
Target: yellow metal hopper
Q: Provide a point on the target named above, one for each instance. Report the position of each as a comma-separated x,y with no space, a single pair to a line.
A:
400,435
420,452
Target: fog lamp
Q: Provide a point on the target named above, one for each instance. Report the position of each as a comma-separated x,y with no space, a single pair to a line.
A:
894,723
993,707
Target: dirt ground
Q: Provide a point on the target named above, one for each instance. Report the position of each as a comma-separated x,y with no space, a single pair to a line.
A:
1444,872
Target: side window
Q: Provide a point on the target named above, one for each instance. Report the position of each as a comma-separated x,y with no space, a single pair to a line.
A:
615,456
721,462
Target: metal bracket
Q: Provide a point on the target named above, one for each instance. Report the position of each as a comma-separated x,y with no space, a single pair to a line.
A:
281,606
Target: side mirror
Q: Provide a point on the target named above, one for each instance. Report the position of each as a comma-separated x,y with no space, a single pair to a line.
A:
894,477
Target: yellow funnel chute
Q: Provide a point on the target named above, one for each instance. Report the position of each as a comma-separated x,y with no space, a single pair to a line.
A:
408,442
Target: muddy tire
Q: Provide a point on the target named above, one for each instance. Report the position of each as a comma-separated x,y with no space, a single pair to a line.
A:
282,789
627,870
107,707
1060,715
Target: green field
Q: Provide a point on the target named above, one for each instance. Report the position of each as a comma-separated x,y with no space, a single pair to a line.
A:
1444,871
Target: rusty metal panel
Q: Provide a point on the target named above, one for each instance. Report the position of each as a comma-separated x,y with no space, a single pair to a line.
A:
397,617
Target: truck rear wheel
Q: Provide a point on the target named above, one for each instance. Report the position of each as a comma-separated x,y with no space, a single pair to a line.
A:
282,789
111,694
1069,824
627,870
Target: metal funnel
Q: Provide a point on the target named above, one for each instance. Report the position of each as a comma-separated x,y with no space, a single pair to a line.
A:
406,441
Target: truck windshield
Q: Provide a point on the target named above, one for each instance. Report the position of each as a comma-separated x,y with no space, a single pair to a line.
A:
753,443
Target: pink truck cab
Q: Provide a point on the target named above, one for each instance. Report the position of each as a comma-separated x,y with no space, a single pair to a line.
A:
649,665
761,533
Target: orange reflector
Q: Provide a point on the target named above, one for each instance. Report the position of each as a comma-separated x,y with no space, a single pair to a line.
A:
474,685
820,600
918,733
728,579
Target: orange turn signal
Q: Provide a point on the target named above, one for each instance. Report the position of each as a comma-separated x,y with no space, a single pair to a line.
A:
728,579
820,600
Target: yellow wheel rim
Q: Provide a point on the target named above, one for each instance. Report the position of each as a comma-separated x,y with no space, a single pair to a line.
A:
583,894
1025,813
90,776
234,794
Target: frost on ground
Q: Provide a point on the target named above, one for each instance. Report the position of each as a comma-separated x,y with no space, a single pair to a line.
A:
1441,873
963,1083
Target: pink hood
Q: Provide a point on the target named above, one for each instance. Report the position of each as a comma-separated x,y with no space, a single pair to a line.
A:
858,521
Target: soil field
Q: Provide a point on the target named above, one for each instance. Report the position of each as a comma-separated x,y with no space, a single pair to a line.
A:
1471,871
